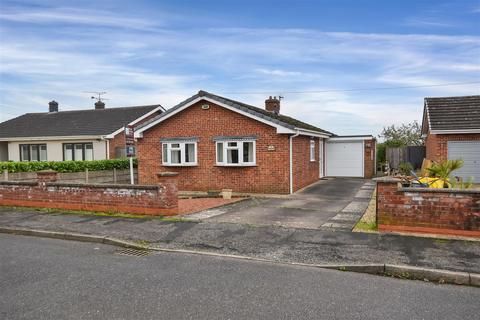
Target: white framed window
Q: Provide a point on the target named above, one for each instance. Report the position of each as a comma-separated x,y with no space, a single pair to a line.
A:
236,153
179,153
312,150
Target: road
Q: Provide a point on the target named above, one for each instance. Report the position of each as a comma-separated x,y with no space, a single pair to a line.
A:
56,279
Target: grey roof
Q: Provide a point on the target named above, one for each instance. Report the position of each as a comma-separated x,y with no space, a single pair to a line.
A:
72,123
451,113
279,119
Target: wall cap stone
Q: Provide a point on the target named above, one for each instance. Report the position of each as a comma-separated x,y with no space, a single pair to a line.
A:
18,183
101,185
387,179
435,190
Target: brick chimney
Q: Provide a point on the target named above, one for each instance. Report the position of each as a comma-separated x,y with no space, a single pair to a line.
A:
272,105
99,105
53,106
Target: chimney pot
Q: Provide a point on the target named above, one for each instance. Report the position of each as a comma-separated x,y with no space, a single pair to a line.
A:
272,105
99,105
53,106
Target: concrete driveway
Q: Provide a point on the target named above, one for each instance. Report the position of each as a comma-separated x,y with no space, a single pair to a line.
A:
336,203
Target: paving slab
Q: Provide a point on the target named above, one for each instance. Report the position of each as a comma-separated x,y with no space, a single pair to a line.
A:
347,217
367,187
356,206
367,194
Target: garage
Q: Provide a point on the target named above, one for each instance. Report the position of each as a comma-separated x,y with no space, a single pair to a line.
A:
344,158
469,152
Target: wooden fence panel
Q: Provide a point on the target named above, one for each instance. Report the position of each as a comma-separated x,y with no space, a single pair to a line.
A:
412,154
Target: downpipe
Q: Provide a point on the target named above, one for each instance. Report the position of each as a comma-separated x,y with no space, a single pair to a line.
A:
291,159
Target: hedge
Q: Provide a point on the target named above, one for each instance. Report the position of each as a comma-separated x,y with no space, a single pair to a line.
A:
66,166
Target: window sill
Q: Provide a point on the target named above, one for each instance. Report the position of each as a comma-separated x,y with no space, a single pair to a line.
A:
180,165
235,165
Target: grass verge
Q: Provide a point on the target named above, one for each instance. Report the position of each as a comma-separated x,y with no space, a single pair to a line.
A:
368,222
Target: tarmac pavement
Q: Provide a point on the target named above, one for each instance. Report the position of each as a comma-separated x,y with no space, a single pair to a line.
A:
308,246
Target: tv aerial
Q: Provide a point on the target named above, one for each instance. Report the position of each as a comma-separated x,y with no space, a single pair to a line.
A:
98,95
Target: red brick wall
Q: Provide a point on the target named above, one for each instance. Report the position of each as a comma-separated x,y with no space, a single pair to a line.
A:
439,211
119,139
161,199
270,175
369,158
305,172
431,147
437,144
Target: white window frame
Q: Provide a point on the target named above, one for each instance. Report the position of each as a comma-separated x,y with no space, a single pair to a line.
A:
182,147
312,150
239,147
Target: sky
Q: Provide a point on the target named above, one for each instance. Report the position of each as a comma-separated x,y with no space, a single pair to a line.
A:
349,67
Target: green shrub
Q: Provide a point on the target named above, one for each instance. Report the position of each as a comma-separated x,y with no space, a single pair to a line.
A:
66,166
405,168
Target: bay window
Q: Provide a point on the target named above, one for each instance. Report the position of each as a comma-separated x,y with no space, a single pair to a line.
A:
236,152
33,152
179,153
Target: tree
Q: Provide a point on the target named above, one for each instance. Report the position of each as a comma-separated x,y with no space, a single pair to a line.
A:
409,134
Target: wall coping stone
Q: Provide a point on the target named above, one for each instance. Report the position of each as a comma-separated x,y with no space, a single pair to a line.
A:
18,183
100,185
435,190
387,179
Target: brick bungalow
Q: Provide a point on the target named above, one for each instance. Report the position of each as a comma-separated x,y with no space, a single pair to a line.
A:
92,134
451,127
216,143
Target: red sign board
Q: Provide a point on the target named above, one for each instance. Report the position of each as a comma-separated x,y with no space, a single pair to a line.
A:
129,141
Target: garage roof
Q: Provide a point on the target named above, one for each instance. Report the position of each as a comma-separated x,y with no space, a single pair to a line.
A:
451,114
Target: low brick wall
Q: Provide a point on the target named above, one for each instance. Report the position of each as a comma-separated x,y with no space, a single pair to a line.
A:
426,210
100,176
160,199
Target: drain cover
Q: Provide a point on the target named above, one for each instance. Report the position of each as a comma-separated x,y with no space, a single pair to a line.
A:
133,252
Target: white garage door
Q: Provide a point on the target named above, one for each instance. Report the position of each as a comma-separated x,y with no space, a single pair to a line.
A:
344,159
469,152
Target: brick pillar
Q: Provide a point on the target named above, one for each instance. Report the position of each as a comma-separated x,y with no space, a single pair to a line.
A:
45,176
387,188
168,181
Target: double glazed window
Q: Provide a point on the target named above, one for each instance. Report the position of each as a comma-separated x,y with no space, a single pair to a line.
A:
179,153
77,151
33,152
235,153
312,150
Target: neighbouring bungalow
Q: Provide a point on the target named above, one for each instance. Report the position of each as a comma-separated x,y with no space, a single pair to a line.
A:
218,143
451,127
94,134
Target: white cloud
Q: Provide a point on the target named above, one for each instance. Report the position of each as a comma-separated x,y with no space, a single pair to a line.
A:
142,64
67,15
